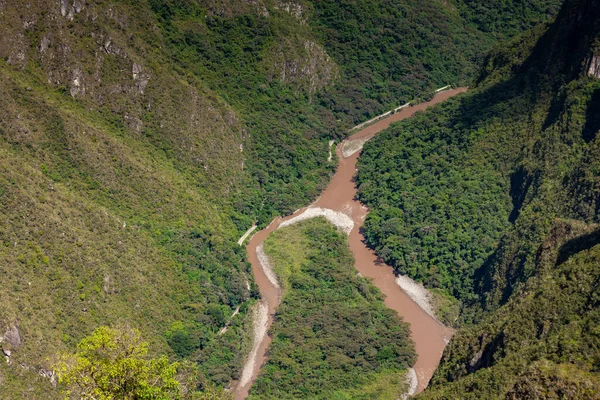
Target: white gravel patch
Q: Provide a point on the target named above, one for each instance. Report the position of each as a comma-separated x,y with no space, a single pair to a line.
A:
417,292
331,142
260,321
248,232
413,383
350,147
263,259
224,329
337,218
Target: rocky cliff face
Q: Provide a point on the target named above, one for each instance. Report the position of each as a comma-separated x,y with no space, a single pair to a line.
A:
101,56
302,64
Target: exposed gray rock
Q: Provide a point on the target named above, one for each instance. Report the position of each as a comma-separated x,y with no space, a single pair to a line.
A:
77,83
134,123
44,44
111,48
12,336
78,6
48,374
64,7
594,67
292,7
260,7
310,69
136,70
140,77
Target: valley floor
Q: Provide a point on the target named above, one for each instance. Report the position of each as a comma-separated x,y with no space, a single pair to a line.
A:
337,203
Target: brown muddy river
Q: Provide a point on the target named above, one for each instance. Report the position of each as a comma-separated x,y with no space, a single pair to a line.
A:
429,335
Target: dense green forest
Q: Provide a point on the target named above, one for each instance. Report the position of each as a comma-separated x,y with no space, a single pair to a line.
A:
502,19
505,178
140,138
333,338
297,81
440,203
393,51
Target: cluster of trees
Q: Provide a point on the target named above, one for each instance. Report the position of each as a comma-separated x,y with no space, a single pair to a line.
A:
541,344
502,19
387,53
113,363
229,50
439,204
332,336
391,52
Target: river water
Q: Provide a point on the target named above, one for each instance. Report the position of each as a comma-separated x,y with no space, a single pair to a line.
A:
429,335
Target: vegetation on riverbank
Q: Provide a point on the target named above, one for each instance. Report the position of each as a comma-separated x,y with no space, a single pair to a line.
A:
333,338
113,363
391,52
508,178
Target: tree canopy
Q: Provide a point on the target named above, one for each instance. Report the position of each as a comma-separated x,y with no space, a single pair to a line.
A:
113,363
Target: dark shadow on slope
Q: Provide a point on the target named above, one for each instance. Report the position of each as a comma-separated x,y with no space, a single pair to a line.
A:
520,182
485,357
557,57
506,262
579,244
554,112
592,118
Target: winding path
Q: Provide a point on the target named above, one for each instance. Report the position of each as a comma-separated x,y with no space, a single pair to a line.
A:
337,201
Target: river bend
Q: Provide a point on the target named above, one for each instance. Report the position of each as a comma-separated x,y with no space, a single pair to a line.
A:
429,335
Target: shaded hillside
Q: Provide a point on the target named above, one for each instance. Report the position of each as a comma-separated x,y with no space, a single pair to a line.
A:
492,198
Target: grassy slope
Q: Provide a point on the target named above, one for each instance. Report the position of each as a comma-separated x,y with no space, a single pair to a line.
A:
115,204
333,337
523,147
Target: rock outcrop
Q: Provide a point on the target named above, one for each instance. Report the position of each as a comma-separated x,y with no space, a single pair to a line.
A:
594,66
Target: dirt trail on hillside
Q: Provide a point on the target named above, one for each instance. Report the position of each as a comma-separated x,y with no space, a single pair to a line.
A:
429,335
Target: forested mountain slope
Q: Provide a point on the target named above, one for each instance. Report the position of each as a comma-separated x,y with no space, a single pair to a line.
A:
139,139
393,51
492,199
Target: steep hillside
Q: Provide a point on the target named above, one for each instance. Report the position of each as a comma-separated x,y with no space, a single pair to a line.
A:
391,51
492,200
116,186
